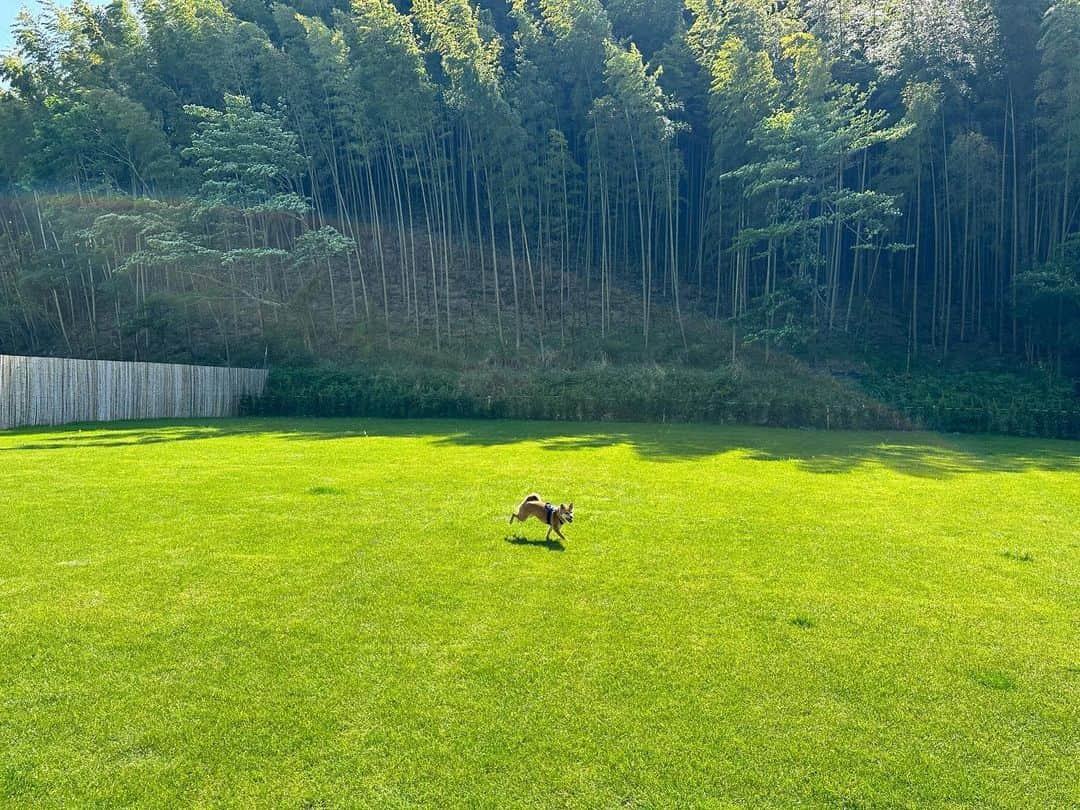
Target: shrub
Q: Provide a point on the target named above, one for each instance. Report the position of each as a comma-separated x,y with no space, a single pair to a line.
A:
983,402
778,395
597,393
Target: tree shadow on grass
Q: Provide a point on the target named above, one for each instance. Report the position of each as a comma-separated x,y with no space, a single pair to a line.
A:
105,437
921,454
927,455
550,545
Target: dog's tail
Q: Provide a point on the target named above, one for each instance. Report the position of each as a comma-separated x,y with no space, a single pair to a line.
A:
532,496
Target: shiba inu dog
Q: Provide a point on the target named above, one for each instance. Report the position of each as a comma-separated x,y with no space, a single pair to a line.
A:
553,516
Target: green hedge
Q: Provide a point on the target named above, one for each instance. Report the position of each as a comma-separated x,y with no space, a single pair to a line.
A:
626,393
982,402
966,403
1010,419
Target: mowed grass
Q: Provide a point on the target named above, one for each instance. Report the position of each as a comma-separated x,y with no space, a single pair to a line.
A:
318,614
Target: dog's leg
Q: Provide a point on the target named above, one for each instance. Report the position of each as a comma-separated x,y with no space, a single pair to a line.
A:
560,534
512,516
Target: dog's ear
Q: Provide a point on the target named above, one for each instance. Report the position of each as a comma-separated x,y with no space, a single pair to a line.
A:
562,505
571,506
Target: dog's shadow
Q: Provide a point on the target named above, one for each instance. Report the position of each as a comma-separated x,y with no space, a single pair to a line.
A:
550,545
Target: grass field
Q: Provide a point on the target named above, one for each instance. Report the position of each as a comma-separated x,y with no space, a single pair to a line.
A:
320,614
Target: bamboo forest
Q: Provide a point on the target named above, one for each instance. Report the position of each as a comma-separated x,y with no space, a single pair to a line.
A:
689,182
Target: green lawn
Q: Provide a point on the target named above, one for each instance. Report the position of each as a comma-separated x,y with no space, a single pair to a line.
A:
318,614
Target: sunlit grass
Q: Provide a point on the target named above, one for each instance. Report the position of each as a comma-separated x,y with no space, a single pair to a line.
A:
316,613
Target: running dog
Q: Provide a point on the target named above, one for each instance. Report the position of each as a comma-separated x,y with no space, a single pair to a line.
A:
553,516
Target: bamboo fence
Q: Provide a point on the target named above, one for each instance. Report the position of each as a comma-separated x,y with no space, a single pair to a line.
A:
54,391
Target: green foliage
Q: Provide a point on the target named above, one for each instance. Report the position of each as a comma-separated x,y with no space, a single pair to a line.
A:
981,402
783,318
1049,296
247,159
602,393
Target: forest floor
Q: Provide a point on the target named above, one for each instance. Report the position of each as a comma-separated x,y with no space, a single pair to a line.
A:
315,613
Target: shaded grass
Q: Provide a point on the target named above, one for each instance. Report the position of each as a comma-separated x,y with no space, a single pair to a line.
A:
551,545
1018,556
332,613
993,680
325,490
